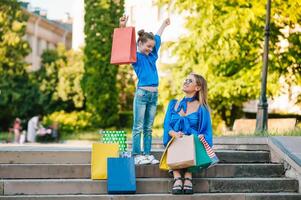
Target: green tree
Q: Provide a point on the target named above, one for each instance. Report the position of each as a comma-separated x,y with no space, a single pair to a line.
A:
225,44
287,53
99,82
70,75
59,80
126,87
47,80
17,97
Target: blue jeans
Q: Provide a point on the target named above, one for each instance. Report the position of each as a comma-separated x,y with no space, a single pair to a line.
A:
145,106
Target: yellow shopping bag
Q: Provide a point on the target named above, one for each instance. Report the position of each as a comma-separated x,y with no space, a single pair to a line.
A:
99,155
163,161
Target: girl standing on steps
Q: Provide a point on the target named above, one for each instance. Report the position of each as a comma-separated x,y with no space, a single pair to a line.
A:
146,95
188,116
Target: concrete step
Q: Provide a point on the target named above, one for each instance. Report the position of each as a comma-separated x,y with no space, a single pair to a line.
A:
54,155
228,143
248,147
206,196
77,171
147,186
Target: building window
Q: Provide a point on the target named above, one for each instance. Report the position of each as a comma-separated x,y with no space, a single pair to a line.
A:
51,45
38,46
29,39
42,45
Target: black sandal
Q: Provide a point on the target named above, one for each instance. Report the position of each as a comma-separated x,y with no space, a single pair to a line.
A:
177,189
187,189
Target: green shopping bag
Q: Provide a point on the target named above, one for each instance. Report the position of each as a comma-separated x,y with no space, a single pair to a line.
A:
202,158
115,137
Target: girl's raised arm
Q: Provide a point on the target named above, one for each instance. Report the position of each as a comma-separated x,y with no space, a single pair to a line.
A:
165,23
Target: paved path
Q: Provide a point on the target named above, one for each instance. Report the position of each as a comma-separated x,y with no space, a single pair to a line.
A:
290,145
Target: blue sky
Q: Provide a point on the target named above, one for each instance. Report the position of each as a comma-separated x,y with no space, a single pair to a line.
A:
56,9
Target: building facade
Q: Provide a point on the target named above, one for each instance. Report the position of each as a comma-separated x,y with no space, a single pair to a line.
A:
42,34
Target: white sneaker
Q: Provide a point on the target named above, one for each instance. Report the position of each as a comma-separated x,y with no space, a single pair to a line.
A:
141,160
152,159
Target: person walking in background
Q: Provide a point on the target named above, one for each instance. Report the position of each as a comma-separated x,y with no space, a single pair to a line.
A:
36,129
17,128
188,116
32,127
146,95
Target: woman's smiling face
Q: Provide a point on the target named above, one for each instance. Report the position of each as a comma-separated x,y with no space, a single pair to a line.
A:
189,84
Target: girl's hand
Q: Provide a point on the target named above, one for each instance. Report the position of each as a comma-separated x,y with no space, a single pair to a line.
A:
166,22
123,20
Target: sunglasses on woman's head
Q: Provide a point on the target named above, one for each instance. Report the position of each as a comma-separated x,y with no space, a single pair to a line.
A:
188,81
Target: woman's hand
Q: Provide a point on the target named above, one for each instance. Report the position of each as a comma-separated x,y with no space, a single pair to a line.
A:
176,134
123,20
200,136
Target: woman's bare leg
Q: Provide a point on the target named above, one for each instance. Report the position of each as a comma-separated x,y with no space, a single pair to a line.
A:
177,187
188,175
17,136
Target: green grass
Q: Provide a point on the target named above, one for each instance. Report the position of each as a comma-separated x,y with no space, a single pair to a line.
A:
158,132
4,136
295,132
83,135
93,135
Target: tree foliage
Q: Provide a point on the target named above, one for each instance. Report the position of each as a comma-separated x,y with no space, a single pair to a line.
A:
126,87
99,82
59,80
70,76
17,92
225,44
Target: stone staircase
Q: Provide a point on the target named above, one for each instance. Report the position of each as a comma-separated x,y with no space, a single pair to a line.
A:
29,172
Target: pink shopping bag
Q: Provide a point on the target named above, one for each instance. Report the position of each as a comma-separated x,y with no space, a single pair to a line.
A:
123,46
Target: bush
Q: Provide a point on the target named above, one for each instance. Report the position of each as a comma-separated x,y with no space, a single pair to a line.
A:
70,122
126,119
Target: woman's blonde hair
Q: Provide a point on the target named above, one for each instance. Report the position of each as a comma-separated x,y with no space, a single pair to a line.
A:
203,92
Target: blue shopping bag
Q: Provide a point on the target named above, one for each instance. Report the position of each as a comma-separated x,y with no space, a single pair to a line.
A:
121,176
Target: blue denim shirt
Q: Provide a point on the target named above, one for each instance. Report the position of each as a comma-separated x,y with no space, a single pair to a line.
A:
198,122
145,66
